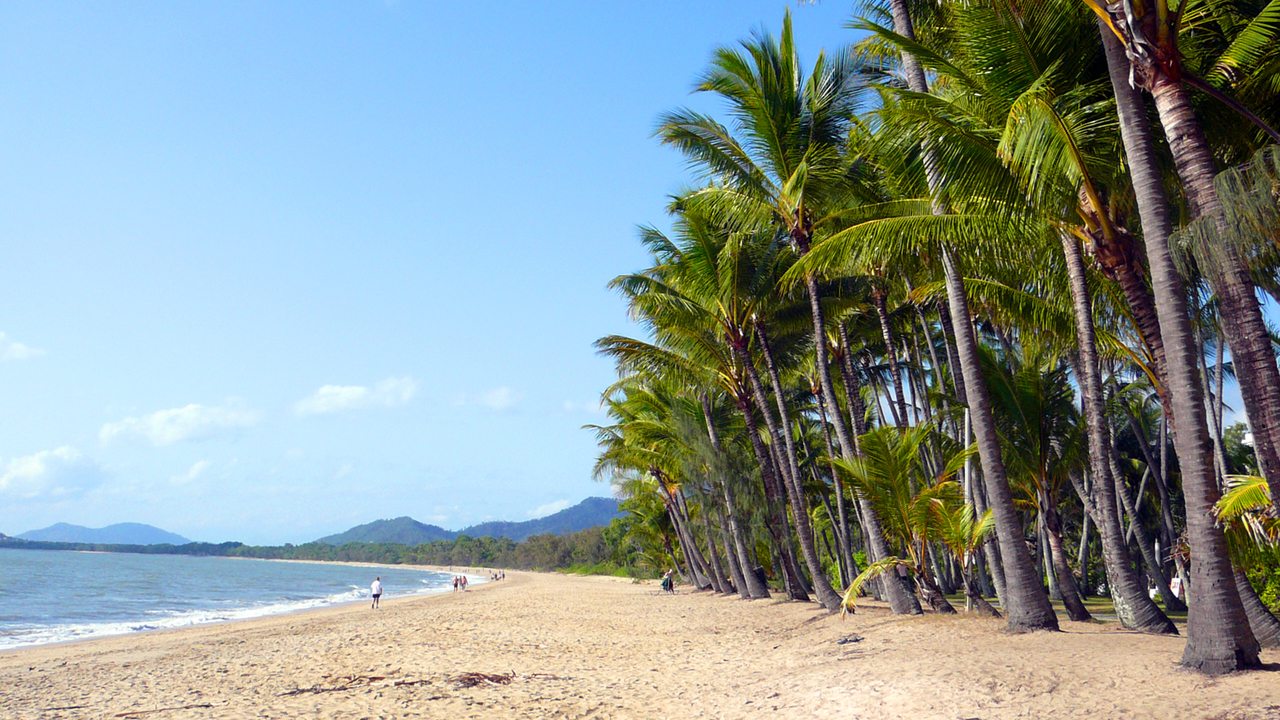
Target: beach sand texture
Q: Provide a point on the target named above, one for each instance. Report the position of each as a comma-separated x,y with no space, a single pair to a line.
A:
574,647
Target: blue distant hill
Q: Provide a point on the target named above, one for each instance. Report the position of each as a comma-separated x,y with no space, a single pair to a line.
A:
118,534
589,513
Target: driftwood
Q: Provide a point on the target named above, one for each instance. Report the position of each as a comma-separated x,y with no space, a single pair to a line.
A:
350,682
136,713
472,679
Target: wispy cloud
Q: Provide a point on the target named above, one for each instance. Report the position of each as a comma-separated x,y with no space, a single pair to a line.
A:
500,398
339,398
193,473
56,473
587,407
544,510
13,350
175,425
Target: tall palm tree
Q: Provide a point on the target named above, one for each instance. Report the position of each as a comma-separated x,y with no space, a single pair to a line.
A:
784,165
1218,636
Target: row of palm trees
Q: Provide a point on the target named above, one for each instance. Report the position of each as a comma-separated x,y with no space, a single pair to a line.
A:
959,297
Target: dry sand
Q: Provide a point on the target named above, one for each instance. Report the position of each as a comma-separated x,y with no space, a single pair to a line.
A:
574,647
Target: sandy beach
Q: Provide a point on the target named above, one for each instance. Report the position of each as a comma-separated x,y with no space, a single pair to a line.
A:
542,646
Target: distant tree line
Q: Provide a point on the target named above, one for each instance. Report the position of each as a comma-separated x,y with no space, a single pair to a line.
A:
604,550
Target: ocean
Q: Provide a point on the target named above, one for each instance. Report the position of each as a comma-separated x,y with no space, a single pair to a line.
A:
51,596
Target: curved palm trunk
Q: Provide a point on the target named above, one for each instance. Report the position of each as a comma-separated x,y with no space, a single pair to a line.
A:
718,579
1133,605
1218,636
1265,626
899,402
827,595
1026,603
844,545
777,525
900,600
1061,569
731,556
1242,322
749,586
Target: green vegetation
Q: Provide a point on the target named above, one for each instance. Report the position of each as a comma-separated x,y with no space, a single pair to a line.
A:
930,316
590,548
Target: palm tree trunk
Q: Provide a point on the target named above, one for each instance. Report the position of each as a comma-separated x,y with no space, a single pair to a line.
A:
900,601
1242,322
843,542
1082,557
827,595
1146,548
891,350
749,587
1026,603
1061,569
1265,626
777,525
1169,535
718,579
1218,637
731,555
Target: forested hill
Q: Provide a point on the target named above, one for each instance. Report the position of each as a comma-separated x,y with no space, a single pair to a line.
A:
400,531
119,534
586,514
589,513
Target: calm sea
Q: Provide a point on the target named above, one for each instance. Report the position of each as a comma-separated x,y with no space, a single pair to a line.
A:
51,596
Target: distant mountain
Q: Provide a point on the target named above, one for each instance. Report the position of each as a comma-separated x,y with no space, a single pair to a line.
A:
118,534
407,531
401,530
589,513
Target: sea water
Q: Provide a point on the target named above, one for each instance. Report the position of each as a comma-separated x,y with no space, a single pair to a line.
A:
54,596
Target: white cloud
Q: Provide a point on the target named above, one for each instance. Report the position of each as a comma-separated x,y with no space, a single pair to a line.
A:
195,471
499,398
554,506
189,422
56,473
338,398
14,350
588,407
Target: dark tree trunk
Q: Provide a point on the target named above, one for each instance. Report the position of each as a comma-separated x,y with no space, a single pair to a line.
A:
827,595
900,601
1218,637
1026,604
1061,569
899,401
843,541
1242,322
777,524
749,587
1265,626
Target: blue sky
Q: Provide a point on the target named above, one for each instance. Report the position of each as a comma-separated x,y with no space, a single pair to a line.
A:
271,270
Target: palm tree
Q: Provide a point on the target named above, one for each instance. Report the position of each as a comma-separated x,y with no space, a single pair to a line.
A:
1218,636
785,166
891,474
1026,604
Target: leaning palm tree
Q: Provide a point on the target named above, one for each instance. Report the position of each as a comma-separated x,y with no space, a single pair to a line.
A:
1218,635
781,164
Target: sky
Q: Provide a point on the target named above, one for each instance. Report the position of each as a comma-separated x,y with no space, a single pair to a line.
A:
272,270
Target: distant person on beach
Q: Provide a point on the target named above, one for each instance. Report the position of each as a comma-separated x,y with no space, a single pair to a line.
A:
376,590
455,583
668,583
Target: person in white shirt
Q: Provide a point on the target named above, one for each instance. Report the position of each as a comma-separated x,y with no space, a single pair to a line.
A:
376,590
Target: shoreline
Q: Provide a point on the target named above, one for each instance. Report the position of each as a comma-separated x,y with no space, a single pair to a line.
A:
548,645
478,575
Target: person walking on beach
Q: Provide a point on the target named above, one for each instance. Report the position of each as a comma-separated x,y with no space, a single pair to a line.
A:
376,590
